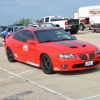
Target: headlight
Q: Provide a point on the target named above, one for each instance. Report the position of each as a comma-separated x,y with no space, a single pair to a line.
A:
70,56
97,52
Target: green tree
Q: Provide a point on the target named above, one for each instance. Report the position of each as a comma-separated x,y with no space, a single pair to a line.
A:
24,21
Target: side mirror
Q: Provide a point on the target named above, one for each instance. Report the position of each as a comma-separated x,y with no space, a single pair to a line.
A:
31,41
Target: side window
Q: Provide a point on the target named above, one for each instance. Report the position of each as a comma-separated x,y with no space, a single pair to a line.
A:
10,29
42,25
47,19
42,20
15,29
26,36
17,36
49,25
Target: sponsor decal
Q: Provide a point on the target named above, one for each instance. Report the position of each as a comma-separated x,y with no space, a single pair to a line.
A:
25,47
31,63
15,55
94,11
67,44
56,69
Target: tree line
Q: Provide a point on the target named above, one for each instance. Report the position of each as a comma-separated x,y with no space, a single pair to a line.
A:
24,21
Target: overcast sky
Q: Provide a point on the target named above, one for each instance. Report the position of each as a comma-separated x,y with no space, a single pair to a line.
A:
14,10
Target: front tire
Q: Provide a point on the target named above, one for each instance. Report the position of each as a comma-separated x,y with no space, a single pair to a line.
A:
10,55
46,64
81,27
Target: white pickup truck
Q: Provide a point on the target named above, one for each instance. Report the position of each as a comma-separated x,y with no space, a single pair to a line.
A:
71,25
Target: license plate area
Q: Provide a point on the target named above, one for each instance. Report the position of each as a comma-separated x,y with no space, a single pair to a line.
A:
88,63
68,27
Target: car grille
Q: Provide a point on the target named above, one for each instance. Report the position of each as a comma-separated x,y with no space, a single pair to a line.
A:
83,65
91,55
83,57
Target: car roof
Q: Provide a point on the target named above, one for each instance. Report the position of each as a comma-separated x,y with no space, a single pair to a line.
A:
41,28
15,26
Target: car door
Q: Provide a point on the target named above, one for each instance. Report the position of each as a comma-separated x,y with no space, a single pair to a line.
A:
16,45
28,50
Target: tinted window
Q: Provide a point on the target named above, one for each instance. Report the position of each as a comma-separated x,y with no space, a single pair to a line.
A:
53,35
49,25
10,29
27,35
15,29
42,20
42,25
17,36
47,19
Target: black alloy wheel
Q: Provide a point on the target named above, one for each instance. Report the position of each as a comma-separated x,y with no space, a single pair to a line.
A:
10,55
46,64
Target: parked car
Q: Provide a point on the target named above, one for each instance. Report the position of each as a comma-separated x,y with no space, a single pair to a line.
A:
10,30
41,25
2,28
68,24
51,49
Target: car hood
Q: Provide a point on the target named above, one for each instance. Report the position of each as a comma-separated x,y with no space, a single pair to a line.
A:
71,46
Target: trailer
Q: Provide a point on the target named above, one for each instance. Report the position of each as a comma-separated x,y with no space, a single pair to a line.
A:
76,15
95,20
88,15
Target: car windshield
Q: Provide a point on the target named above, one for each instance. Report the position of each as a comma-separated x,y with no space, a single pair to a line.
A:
53,35
18,28
47,25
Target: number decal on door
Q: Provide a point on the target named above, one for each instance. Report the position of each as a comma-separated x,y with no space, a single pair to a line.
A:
25,47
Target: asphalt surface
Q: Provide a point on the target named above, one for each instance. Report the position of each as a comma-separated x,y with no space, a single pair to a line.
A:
19,81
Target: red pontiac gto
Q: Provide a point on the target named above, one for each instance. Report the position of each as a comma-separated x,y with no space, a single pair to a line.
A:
51,49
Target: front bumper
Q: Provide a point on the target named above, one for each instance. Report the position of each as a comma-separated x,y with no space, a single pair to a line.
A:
72,27
75,64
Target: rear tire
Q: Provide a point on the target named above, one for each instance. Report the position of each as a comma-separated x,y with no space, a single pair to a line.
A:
81,27
46,64
10,55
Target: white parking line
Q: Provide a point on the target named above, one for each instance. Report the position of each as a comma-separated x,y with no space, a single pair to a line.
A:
6,78
12,73
91,97
38,85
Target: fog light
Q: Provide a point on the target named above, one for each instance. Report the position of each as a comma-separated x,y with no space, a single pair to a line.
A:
64,66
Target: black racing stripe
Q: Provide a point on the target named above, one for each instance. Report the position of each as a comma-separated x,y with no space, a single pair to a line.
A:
79,43
67,44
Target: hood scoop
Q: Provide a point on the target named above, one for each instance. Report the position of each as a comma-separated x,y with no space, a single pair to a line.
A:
73,47
83,45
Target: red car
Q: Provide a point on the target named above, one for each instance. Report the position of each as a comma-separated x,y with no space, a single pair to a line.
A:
51,49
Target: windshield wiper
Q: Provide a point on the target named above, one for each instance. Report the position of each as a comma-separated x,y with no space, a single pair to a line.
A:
64,39
55,40
50,41
46,41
